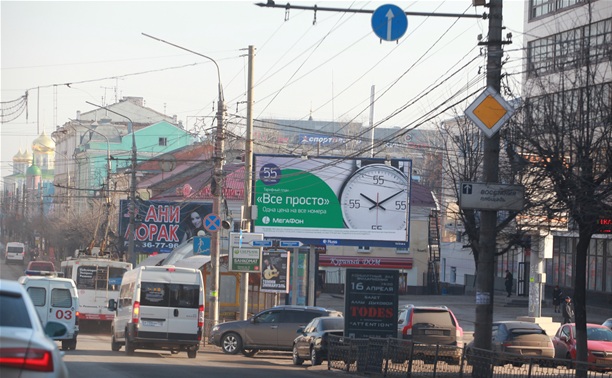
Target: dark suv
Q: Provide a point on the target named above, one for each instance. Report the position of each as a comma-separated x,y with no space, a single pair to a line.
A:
428,326
271,329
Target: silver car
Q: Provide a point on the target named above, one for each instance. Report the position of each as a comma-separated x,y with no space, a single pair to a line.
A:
26,351
271,329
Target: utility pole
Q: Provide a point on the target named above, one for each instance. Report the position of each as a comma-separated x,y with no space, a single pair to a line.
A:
248,168
216,185
131,255
485,275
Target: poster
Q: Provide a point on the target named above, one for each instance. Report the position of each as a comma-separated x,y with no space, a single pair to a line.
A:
275,265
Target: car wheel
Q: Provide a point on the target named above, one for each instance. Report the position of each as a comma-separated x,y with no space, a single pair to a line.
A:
250,352
115,346
315,358
296,357
129,346
192,353
72,344
231,343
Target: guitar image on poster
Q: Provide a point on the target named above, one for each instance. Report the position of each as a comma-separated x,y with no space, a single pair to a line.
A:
274,271
270,273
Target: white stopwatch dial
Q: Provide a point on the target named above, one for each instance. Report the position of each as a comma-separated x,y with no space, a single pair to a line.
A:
375,197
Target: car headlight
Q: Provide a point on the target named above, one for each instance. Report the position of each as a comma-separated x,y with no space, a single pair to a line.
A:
215,328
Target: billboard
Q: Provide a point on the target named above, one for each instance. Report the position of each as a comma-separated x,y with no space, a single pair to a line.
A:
371,300
162,226
333,200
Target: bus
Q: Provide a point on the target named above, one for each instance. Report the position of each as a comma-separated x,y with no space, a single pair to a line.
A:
97,280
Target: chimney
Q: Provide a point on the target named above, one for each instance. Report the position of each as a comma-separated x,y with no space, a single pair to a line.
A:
78,116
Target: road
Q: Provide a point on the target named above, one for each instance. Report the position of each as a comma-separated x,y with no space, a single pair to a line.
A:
93,358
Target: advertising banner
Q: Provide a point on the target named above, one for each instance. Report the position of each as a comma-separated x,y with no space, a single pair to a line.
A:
162,226
371,300
242,256
275,265
324,200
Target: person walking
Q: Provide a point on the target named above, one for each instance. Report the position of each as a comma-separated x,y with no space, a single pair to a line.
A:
508,282
557,297
567,310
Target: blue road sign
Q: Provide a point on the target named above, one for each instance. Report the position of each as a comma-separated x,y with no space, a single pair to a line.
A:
290,243
389,22
261,243
201,245
212,222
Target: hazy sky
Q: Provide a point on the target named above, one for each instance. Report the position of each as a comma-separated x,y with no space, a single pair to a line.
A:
67,53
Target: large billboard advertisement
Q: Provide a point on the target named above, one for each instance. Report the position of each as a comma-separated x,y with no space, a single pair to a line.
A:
162,226
333,200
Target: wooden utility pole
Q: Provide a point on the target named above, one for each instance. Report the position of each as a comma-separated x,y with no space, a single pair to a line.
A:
485,275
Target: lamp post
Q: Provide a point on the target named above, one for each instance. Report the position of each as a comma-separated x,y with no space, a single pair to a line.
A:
216,184
131,256
107,181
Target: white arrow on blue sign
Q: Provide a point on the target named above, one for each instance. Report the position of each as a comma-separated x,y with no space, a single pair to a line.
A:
389,22
261,243
290,243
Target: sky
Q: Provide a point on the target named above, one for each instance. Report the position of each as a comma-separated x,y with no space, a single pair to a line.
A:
324,65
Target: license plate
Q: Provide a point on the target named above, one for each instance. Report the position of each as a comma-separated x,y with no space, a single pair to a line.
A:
151,323
433,332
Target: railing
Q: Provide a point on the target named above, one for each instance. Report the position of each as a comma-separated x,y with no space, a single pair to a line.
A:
391,357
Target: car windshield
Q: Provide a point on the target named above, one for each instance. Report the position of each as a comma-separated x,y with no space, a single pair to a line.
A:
441,318
333,323
598,334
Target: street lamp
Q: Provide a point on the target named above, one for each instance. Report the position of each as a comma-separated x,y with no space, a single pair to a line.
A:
108,174
216,185
131,256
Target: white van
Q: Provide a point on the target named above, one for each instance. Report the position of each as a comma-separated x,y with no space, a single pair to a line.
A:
56,301
159,307
15,251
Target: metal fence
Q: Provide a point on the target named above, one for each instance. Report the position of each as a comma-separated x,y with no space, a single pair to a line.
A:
391,357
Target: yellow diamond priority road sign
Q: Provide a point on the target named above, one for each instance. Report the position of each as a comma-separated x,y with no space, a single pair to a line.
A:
489,111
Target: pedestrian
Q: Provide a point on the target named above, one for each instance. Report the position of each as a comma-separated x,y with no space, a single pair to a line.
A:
508,281
567,309
557,297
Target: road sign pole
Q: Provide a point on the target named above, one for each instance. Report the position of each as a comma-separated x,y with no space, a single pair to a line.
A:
294,277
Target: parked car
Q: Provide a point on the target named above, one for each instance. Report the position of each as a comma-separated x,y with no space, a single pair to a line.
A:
39,268
312,340
608,323
271,329
25,347
599,344
517,342
426,327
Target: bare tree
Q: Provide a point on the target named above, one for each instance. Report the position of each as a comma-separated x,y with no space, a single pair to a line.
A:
565,139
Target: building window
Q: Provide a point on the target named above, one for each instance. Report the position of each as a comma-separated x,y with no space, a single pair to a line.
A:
571,48
363,249
163,141
539,8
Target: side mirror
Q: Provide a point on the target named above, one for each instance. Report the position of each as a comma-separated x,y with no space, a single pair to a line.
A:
563,338
54,329
112,305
